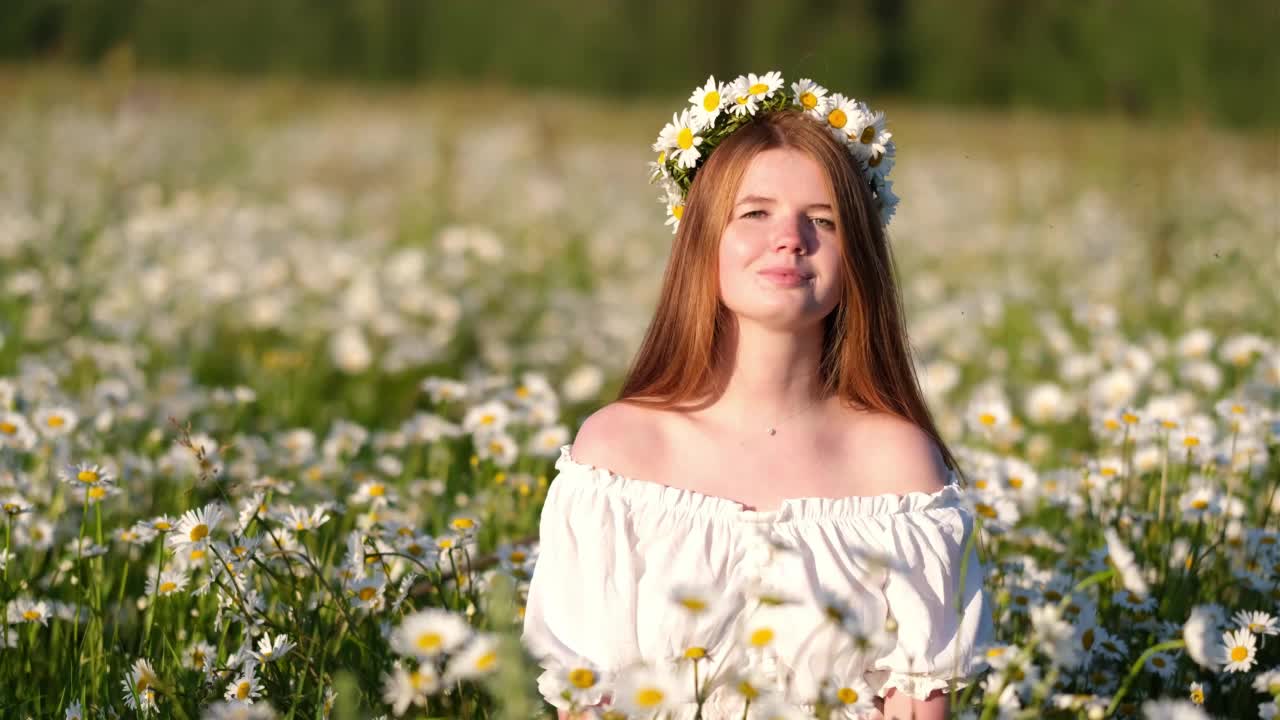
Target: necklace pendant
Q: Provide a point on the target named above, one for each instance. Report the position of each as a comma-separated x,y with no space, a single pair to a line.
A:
772,431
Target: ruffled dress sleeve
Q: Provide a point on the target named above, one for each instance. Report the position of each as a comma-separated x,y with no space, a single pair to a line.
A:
580,603
936,597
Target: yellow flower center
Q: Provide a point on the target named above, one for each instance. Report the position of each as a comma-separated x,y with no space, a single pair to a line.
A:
809,100
987,419
88,477
429,641
1197,697
693,604
168,586
649,697
837,118
162,525
367,593
1015,482
695,653
582,678
197,554
758,89
377,490
242,690
868,134
1110,424
97,493
1239,653
31,615
748,690
517,556
848,696
685,139
487,661
678,211
711,101
986,510
1200,504
463,524
55,421
875,160
488,419
662,157
8,428
199,532
1237,409
762,637
1191,441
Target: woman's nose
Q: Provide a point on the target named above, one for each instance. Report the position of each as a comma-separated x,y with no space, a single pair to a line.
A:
790,235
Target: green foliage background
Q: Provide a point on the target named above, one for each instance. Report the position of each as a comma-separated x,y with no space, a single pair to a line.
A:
1156,59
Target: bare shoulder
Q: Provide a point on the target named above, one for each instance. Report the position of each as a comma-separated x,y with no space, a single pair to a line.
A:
894,455
621,437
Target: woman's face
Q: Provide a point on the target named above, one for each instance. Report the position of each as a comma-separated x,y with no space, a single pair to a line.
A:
783,217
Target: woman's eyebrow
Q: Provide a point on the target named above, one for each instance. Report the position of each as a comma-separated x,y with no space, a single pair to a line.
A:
761,198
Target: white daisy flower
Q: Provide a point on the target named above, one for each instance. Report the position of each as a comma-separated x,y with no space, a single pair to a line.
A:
649,691
15,505
840,111
16,432
246,688
494,415
580,683
478,658
200,656
169,582
878,165
403,688
1196,693
1267,682
86,475
55,421
707,101
74,712
429,633
867,133
762,87
195,526
1238,651
680,139
272,649
139,688
27,610
1256,622
811,96
850,696
1162,664
300,518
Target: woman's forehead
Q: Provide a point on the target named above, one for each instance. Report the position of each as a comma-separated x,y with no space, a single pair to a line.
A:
784,174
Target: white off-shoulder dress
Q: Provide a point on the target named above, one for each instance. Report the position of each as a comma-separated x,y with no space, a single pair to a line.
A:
613,548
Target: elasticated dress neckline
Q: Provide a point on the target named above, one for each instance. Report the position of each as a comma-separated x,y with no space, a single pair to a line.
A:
691,502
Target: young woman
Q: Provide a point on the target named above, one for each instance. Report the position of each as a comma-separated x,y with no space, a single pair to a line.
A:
768,503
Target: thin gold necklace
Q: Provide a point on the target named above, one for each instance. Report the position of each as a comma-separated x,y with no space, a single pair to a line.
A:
773,429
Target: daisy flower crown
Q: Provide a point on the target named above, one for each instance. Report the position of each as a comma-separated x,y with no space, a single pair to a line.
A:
716,110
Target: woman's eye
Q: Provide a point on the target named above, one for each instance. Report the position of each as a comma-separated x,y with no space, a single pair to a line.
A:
824,222
753,213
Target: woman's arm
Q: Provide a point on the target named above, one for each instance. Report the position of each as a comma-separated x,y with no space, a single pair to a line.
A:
900,706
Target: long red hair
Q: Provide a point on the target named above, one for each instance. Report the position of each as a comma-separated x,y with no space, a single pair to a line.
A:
865,359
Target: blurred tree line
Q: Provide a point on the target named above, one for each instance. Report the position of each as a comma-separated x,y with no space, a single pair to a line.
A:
1157,59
